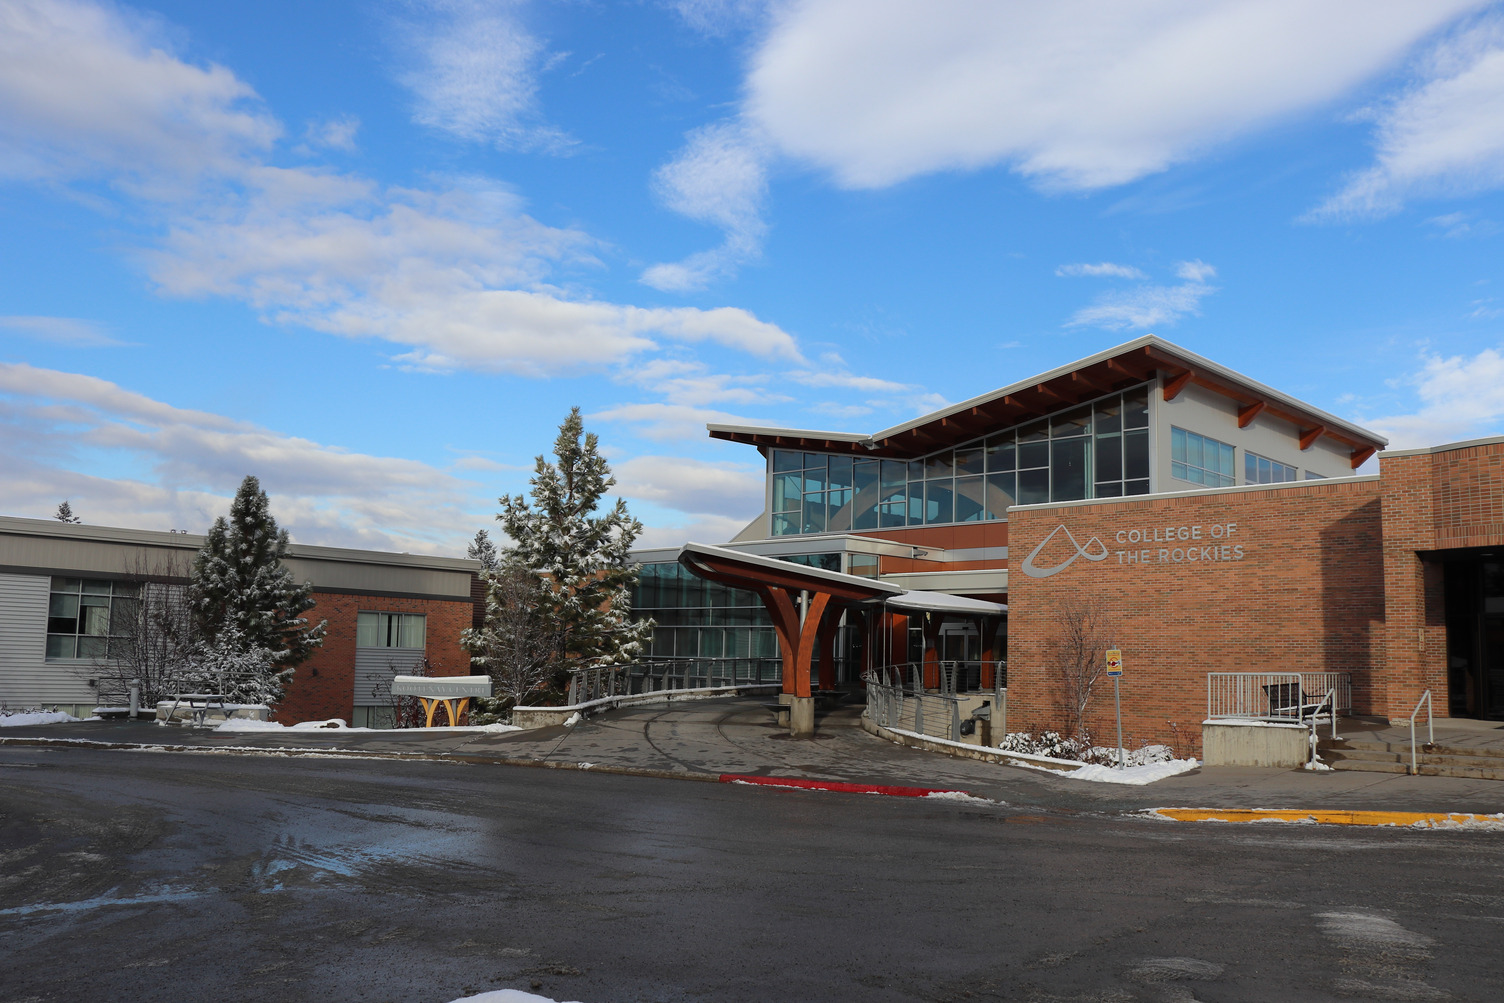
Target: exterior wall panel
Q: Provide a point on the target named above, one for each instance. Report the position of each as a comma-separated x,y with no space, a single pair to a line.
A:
1282,578
26,677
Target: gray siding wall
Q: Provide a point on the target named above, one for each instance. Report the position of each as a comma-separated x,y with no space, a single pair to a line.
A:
26,678
374,666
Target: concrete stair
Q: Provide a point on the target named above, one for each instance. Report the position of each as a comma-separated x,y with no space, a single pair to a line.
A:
1439,760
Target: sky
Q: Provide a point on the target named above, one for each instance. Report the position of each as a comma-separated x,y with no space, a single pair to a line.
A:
373,252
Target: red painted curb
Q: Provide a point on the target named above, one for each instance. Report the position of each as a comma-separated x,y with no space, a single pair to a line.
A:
836,785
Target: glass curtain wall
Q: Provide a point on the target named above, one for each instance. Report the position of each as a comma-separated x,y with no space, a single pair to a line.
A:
1097,450
700,619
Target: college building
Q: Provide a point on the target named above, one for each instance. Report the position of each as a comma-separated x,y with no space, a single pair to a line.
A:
67,594
1215,525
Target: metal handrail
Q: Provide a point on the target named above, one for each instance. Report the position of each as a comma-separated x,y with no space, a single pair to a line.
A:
1425,699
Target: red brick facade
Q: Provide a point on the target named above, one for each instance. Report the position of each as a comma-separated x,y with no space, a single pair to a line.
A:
1443,500
1282,578
324,686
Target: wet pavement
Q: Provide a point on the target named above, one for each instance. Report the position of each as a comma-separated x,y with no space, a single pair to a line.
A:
702,739
133,876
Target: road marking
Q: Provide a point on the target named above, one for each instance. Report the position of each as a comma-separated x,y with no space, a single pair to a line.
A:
837,785
1323,816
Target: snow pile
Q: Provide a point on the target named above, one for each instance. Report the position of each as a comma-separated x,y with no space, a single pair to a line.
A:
504,996
573,720
1483,823
251,724
1136,775
958,796
25,718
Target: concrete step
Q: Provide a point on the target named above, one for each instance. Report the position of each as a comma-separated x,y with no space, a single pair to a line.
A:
1377,757
1440,748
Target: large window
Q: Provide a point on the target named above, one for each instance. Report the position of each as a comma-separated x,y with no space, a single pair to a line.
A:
1097,450
85,615
1262,470
1201,460
702,619
390,630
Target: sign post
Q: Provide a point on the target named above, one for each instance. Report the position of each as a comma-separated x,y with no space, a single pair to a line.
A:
1115,670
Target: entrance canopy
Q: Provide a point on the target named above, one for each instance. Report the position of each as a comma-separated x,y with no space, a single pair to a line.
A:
797,597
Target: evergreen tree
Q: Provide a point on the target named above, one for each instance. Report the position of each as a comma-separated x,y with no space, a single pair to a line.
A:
64,513
244,601
575,561
483,550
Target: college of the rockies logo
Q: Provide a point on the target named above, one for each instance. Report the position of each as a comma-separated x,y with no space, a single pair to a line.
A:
1034,571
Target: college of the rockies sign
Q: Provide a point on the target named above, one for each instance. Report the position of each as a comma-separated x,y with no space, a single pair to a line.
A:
1200,543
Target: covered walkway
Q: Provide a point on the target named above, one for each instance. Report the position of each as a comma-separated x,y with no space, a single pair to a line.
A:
807,604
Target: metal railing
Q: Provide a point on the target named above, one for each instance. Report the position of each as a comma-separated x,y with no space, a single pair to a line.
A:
1425,699
660,675
1278,696
898,700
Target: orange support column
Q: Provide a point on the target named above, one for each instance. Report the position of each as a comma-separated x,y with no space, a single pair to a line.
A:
931,651
989,644
825,640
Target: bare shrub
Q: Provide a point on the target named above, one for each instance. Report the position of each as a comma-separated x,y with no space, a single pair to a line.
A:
1080,634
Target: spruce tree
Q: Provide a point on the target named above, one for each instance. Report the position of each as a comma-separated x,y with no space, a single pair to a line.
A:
242,597
483,550
576,559
64,513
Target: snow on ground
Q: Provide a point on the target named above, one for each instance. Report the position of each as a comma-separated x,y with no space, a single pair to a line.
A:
959,796
1136,775
574,719
335,724
21,719
504,996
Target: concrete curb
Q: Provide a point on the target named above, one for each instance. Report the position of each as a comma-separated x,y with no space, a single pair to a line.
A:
1405,819
839,786
417,757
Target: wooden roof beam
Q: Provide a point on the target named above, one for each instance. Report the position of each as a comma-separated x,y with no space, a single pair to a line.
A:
1252,411
1360,456
1175,384
1309,436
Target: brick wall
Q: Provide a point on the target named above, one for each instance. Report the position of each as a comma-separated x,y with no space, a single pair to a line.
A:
324,686
1432,501
1265,579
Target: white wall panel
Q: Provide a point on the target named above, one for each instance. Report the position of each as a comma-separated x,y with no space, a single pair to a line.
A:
26,678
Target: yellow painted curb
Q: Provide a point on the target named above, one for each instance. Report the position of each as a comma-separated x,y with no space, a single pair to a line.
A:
1415,819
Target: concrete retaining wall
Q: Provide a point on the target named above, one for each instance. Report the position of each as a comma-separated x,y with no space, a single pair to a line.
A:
545,717
1254,743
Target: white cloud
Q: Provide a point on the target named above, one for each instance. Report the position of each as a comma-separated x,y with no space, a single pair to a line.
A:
1442,135
849,381
88,90
475,73
1462,397
61,330
667,421
1195,271
1077,95
334,133
1104,270
719,178
1147,306
57,429
698,487
719,17
692,384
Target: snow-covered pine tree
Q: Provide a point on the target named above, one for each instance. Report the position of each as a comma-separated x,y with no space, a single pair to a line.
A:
483,550
242,596
64,513
578,560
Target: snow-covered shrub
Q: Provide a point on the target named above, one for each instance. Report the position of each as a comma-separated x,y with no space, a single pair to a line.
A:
1054,745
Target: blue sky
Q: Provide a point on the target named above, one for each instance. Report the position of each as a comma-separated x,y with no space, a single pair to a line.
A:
373,252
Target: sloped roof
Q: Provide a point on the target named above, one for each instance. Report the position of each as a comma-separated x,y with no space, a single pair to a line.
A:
1114,369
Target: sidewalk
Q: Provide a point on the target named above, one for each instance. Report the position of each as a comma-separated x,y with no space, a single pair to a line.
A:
708,738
